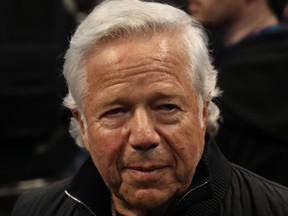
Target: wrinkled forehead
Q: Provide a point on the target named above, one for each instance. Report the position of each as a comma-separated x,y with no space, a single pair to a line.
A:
162,48
121,58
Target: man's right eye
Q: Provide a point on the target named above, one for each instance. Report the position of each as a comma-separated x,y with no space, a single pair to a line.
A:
114,112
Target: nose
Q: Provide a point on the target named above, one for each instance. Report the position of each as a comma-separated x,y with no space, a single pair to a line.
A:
143,135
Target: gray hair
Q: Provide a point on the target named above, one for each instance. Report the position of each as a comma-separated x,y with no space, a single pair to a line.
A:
117,18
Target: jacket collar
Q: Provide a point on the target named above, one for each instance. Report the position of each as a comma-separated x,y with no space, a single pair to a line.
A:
210,182
88,188
207,199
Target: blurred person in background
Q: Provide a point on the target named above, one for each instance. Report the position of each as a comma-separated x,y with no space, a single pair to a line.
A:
253,74
141,90
285,14
79,9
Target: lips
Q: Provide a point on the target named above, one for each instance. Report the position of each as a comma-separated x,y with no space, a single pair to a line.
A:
146,174
145,177
147,168
152,171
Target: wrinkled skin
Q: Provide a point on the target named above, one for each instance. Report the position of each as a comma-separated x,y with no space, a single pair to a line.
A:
143,129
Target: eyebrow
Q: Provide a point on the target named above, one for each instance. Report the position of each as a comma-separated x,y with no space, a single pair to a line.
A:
111,101
168,94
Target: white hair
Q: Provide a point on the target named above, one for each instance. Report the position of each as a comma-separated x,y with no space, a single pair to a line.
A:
119,18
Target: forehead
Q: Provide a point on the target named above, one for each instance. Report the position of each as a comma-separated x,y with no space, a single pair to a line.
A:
151,43
137,54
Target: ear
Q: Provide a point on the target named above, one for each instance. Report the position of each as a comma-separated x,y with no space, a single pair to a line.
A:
205,113
79,117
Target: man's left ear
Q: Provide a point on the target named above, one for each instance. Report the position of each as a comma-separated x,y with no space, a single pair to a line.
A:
205,113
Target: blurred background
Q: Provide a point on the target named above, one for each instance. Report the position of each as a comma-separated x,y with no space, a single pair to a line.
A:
35,145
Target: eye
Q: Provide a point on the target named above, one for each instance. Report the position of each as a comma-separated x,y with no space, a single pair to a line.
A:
168,113
167,107
114,112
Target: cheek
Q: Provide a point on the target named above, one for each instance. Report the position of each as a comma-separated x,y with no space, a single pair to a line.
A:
189,149
190,156
187,143
104,145
105,150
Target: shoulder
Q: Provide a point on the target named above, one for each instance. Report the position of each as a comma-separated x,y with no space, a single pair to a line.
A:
43,200
251,192
256,180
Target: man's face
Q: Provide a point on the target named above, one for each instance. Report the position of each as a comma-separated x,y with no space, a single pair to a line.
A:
143,131
214,12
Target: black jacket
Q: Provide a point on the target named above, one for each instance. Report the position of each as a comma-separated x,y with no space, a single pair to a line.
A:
253,75
218,188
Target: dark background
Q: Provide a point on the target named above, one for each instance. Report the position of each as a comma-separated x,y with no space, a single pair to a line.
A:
35,146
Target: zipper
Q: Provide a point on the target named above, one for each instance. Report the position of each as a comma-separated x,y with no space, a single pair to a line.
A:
178,202
190,191
80,202
172,208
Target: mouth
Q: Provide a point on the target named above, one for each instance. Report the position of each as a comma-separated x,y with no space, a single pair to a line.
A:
147,173
147,168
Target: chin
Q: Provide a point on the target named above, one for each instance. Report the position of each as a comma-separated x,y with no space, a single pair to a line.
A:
150,199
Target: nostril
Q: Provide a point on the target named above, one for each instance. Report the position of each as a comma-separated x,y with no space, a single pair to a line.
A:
144,147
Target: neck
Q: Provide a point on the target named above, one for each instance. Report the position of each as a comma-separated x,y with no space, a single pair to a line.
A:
120,207
248,22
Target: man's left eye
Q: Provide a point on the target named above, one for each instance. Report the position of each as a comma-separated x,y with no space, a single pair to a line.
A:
167,107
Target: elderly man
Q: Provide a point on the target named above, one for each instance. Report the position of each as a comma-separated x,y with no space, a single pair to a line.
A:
141,88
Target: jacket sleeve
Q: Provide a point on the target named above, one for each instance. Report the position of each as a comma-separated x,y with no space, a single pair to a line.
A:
26,205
